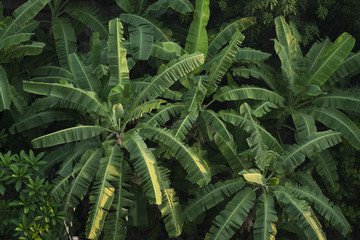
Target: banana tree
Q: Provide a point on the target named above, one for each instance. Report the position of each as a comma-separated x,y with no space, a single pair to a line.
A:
267,163
273,180
111,143
16,41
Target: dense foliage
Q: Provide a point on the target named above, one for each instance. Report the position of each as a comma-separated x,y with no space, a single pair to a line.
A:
153,130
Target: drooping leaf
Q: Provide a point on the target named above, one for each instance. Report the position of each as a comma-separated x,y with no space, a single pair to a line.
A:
102,193
239,120
227,32
79,187
261,109
266,216
304,124
326,168
124,5
23,15
89,16
67,135
166,50
300,212
321,204
295,154
338,121
116,222
210,196
330,60
197,39
165,79
160,32
344,99
13,40
144,108
82,75
249,55
141,40
145,166
184,124
349,66
65,39
95,48
233,216
228,93
39,119
213,120
86,99
222,64
170,207
164,113
197,168
5,97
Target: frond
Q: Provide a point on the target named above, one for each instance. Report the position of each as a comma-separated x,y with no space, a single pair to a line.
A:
304,124
7,42
222,64
116,222
288,49
141,40
5,94
170,207
166,50
263,72
195,96
256,143
349,66
89,163
343,99
124,5
338,121
314,54
250,55
326,168
295,154
239,120
160,32
228,93
210,195
119,71
330,60
197,39
95,49
22,15
145,166
266,216
20,51
67,135
65,39
197,168
144,108
233,216
226,34
263,108
88,100
164,114
165,79
302,213
39,119
89,16
83,77
49,70
184,124
321,204
228,149
213,120
181,6
102,193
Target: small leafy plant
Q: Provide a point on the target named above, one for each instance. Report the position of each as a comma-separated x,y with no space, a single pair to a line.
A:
27,210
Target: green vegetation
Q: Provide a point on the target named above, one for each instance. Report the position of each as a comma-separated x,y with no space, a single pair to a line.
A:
156,131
